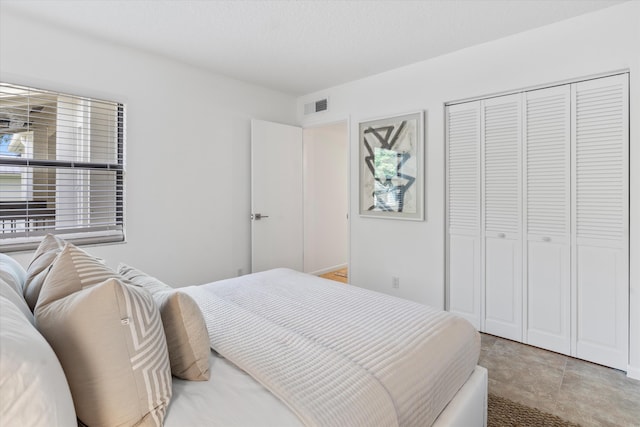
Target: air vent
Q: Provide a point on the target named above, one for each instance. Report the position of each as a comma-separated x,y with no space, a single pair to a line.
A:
321,105
316,107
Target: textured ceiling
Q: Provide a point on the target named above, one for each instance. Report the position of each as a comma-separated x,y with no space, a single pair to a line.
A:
300,47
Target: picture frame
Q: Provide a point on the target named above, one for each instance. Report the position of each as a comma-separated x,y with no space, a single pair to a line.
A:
391,159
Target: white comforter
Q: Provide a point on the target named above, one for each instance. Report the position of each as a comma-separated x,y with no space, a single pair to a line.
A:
339,355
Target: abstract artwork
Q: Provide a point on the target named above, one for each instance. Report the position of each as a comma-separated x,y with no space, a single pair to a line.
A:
391,167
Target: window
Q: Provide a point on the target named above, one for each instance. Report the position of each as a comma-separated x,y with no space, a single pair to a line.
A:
61,168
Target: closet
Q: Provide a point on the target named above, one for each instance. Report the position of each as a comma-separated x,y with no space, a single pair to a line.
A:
538,217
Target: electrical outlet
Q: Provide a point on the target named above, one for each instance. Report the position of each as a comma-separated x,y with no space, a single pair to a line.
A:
395,282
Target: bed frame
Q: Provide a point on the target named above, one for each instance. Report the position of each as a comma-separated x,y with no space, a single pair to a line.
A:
469,406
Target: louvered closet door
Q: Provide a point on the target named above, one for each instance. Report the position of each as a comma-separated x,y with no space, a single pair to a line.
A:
601,233
547,218
463,206
501,150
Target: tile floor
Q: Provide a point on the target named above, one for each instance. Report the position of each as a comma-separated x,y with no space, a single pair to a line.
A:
575,390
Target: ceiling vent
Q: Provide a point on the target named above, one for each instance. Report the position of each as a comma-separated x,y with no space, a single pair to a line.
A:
316,107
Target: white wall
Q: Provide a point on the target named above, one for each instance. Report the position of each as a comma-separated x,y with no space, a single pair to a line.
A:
187,146
325,154
603,41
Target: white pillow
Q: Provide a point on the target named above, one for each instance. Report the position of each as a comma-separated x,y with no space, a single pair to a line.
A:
16,299
12,272
33,387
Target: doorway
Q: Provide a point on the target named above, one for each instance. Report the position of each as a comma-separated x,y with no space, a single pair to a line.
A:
326,198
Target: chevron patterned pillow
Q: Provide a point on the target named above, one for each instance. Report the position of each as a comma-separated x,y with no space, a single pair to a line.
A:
109,339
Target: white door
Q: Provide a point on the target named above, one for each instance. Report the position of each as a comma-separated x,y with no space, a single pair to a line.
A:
464,251
547,218
276,196
601,227
501,178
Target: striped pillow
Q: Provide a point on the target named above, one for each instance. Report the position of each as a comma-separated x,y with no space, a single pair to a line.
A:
72,271
109,339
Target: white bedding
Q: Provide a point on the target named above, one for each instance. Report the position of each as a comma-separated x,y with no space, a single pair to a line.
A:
336,354
231,398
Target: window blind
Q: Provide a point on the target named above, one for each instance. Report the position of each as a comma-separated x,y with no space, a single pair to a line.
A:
61,167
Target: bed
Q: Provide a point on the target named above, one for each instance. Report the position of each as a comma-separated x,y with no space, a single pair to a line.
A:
291,349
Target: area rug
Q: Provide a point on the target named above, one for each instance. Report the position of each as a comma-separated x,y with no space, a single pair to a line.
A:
506,413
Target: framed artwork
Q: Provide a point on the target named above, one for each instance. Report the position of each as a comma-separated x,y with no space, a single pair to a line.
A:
392,167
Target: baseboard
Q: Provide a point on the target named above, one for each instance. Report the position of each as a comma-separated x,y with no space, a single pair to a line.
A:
633,372
328,269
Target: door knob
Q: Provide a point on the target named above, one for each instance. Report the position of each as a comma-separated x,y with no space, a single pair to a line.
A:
258,216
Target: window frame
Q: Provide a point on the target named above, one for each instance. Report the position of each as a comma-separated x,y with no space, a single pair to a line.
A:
114,231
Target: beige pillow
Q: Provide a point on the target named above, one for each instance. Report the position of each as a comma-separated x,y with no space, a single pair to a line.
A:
39,267
109,340
184,326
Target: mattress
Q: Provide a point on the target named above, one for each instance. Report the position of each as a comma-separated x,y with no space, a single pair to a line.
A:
336,354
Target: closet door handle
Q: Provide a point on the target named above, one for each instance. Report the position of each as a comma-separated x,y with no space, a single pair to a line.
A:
546,239
502,235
